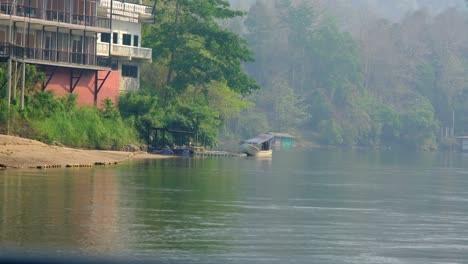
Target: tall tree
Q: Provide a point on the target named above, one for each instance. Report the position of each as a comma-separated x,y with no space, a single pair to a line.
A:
188,40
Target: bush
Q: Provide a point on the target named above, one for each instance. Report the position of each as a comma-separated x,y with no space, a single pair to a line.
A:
330,133
51,119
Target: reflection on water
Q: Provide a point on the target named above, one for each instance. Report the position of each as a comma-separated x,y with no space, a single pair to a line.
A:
59,208
320,206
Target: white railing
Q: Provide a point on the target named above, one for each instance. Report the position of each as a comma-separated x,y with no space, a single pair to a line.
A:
143,53
124,51
128,7
121,50
102,49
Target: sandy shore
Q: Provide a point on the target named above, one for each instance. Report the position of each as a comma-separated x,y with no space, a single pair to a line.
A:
25,153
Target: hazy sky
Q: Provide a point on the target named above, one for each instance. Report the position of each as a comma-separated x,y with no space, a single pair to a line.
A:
392,9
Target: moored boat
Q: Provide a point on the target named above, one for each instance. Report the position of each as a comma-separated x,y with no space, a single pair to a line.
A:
259,146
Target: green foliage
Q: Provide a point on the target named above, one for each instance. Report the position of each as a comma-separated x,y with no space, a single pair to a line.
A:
196,80
394,83
11,120
286,111
330,133
319,68
391,84
190,113
419,126
142,112
198,110
226,102
195,49
33,77
42,105
51,119
391,126
250,122
4,115
108,110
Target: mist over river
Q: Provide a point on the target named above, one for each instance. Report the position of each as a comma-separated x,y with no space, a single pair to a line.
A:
304,206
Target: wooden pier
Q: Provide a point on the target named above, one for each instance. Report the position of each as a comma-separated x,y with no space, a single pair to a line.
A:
219,154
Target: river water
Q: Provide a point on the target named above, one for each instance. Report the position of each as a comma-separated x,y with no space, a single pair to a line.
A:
305,206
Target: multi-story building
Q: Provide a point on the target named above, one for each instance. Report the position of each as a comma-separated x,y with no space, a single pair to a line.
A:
88,47
123,43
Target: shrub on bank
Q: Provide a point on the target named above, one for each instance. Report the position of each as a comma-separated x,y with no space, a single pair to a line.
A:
51,119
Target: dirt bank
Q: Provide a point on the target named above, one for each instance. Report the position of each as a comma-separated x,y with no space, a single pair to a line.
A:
18,152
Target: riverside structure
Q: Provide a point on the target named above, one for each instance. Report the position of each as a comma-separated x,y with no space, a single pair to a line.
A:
88,47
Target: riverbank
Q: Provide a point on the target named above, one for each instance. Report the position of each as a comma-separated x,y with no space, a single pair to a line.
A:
18,152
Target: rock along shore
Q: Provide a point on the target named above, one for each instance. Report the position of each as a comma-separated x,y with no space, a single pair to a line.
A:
18,152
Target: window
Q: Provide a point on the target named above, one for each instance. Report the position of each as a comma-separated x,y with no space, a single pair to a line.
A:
115,66
129,71
115,38
127,39
105,37
135,41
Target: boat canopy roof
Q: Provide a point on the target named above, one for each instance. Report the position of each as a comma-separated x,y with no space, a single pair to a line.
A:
281,135
259,139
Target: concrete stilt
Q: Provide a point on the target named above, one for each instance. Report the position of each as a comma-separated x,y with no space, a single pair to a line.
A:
9,83
23,83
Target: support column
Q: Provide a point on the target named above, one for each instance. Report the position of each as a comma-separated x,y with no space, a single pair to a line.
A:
15,79
23,84
83,48
43,47
70,50
96,88
71,80
57,52
9,83
111,38
111,14
28,41
95,62
13,36
85,15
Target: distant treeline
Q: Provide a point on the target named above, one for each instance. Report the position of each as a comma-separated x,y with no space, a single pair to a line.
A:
380,84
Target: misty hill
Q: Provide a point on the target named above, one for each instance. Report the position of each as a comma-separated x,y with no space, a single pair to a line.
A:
395,9
361,72
242,4
390,9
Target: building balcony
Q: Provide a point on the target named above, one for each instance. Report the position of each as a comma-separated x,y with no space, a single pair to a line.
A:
125,9
129,52
54,57
51,17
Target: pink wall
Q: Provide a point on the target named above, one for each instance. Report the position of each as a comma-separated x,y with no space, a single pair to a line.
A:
60,84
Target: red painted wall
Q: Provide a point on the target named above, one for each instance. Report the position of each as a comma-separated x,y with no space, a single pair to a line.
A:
60,84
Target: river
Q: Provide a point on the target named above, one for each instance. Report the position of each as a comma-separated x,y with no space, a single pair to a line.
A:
304,206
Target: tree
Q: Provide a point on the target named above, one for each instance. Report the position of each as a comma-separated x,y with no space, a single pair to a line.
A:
312,60
195,49
419,126
285,109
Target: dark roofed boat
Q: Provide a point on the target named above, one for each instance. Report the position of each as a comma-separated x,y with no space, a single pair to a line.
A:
259,146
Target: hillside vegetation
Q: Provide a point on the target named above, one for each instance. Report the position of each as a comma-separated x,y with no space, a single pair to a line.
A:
284,66
381,83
